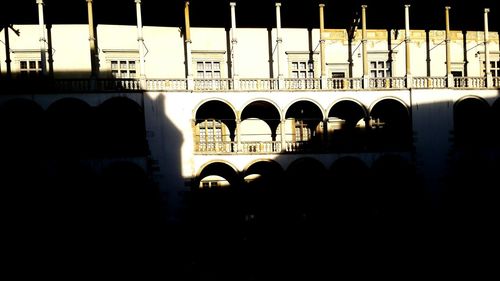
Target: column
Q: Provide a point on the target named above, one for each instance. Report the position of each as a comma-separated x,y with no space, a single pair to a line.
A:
409,80
43,40
363,45
322,46
234,42
140,41
279,42
92,40
283,135
187,41
449,76
489,77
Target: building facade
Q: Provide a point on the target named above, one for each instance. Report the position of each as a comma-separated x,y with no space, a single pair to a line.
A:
324,116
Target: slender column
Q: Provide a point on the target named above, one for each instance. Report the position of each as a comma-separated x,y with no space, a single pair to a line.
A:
283,135
43,40
363,45
489,77
187,41
140,41
238,134
407,45
322,45
234,42
449,76
279,42
7,52
92,40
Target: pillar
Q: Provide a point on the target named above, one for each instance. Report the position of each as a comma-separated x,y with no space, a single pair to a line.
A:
489,77
140,41
92,40
449,76
234,42
363,45
279,42
43,40
187,41
324,77
409,78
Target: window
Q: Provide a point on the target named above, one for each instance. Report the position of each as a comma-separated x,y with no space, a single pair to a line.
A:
208,69
380,68
302,69
302,132
122,63
494,68
338,74
210,136
30,68
123,68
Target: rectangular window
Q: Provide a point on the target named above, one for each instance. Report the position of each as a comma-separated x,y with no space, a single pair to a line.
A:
302,69
30,68
211,135
208,70
123,68
494,68
380,69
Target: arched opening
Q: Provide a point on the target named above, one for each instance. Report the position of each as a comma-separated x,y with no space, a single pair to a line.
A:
472,124
304,127
121,128
259,123
390,126
215,125
347,127
70,127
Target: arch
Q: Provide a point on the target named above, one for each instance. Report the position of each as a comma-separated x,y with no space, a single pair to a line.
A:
262,101
21,127
221,110
305,173
218,168
388,98
71,127
350,104
313,109
120,125
265,166
347,126
391,125
472,120
304,124
265,111
217,111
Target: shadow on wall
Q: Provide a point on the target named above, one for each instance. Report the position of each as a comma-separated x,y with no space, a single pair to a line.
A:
78,179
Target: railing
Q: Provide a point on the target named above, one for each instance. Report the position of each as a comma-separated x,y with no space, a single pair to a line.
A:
244,147
246,84
302,83
429,82
258,84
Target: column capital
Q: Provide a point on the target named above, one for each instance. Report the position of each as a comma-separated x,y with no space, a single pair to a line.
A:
278,4
232,4
138,1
